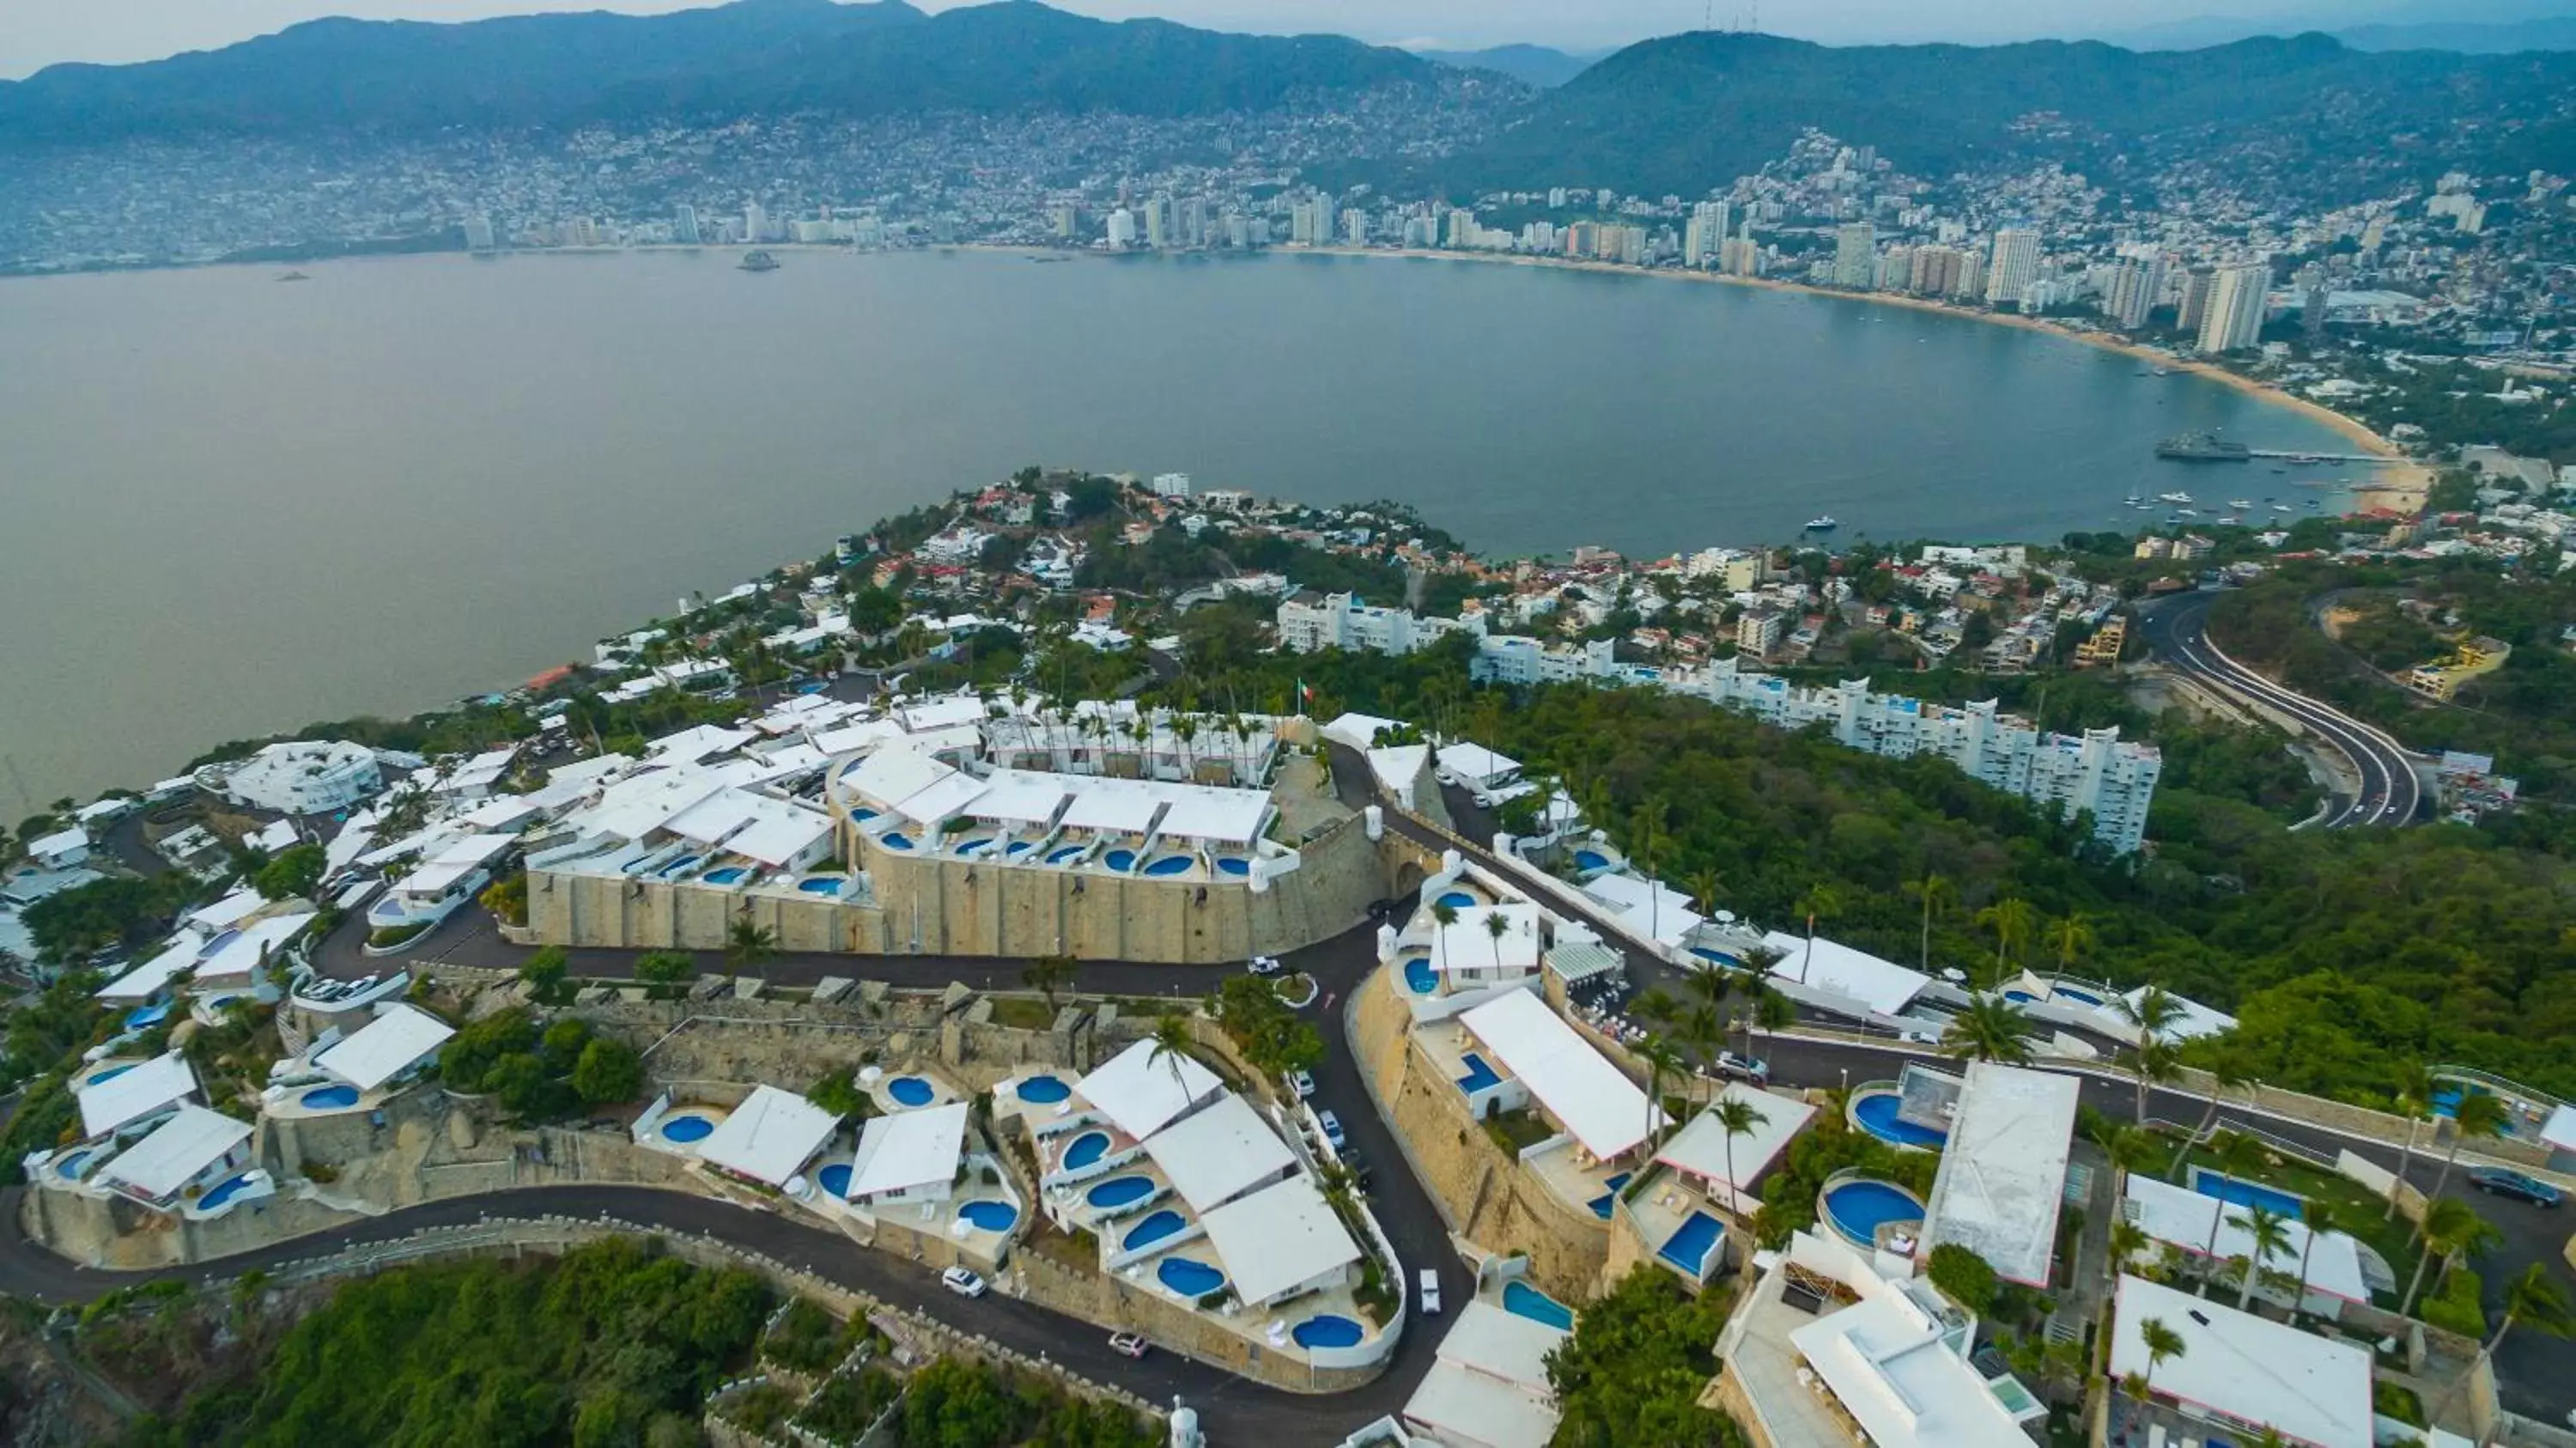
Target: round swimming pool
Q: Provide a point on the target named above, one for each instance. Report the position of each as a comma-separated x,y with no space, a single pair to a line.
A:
223,1193
1058,857
1876,1113
1591,860
1455,900
1044,1090
1170,865
911,1091
1419,977
329,1098
1119,859
687,1127
1326,1329
1123,1191
69,1168
820,885
990,1216
726,876
1233,865
1086,1149
1188,1278
835,1179
1857,1209
1155,1227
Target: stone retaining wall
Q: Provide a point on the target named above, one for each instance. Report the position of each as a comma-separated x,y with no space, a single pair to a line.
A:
1120,1305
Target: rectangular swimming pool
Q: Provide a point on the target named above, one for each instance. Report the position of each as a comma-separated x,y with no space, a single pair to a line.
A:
2240,1193
1479,1075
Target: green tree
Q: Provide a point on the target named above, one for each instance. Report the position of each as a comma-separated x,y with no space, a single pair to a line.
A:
2163,1345
1048,974
1937,894
543,972
1662,1062
1735,1117
291,873
2531,1299
2451,1230
2477,1115
661,971
2013,921
1634,1369
1968,1279
748,946
1990,1029
1497,925
2269,1234
1820,902
2415,1103
1172,1043
607,1070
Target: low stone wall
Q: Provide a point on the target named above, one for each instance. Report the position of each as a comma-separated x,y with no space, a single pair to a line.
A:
1124,1306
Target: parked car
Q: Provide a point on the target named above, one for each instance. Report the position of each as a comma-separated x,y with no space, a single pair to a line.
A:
1332,1128
1732,1067
1301,1082
1266,965
2506,1182
963,1282
1127,1344
1430,1294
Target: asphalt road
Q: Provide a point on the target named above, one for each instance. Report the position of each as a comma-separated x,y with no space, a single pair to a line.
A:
2391,793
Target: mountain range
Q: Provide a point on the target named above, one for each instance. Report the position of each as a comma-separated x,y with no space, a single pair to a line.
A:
1536,65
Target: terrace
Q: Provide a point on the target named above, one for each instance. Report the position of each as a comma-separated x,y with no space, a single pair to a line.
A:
912,1087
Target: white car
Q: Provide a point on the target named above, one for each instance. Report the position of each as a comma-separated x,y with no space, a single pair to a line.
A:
1430,1294
1301,1082
963,1282
1266,965
1332,1129
1127,1344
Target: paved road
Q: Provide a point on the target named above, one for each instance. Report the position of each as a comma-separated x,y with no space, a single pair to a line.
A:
2390,794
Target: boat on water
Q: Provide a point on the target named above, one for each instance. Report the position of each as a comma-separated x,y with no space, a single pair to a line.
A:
2203,447
2188,512
2173,497
2231,521
1825,524
757,261
2239,504
294,276
2280,507
2134,499
2161,372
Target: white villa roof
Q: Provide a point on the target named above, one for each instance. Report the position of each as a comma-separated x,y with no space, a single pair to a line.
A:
1398,765
502,812
1701,1147
945,713
636,806
1489,1384
60,842
1466,945
1648,906
718,815
1206,812
458,859
136,1093
177,1149
1020,797
1212,1157
241,955
1114,804
2560,1129
891,776
949,796
2004,1170
149,978
1885,1362
2196,1019
1503,1346
228,912
385,1047
2185,1217
780,831
1280,1237
1577,1084
1359,731
2313,1390
857,735
769,1136
1140,1095
908,1149
1475,761
1882,985
703,742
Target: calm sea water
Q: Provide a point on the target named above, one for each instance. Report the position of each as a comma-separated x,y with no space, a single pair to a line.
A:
230,506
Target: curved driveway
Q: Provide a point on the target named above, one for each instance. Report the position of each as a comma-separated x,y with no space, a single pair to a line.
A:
2390,793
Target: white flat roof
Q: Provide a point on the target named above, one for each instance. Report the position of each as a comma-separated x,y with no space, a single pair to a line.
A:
1701,1147
1214,1156
1649,907
780,831
1501,1346
2185,1217
149,978
1467,1407
2004,1172
705,741
639,804
1882,985
857,735
1577,1084
1140,1095
177,1149
1475,761
1398,765
1114,804
1209,812
1468,944
1359,731
893,775
908,1149
2560,1129
134,1094
383,1048
718,815
1021,797
1884,1360
951,796
228,912
1280,1237
769,1136
2248,1368
241,955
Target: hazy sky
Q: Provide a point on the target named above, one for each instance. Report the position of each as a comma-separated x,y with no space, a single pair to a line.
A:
36,33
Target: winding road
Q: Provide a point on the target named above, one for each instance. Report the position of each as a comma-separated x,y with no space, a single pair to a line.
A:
2390,792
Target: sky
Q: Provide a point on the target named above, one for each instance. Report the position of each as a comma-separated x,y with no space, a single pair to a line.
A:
36,33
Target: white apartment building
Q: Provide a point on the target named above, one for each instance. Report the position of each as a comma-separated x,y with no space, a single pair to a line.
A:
2237,297
1309,621
2015,267
298,777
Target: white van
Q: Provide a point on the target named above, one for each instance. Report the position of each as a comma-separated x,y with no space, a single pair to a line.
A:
1430,1294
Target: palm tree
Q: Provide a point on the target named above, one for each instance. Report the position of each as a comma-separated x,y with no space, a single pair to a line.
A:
1704,1028
2271,1233
1768,1009
1702,882
2450,1228
1497,925
1709,987
2012,921
1048,974
2072,935
2531,1297
1990,1029
1172,1042
1737,1117
2225,1074
2477,1114
2414,1102
2162,1343
2154,1062
748,945
2151,1012
1661,1061
1937,894
2128,1239
2128,1147
1821,902
2318,1216
1655,1004
1649,841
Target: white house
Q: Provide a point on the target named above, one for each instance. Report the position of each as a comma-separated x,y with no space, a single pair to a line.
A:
135,1096
1725,1170
910,1156
400,1042
770,1137
1488,1386
2244,1373
194,1148
300,777
1281,1242
1223,1153
60,850
2003,1174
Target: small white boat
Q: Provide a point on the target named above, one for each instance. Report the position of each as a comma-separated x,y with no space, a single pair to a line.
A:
2173,497
1825,524
2239,504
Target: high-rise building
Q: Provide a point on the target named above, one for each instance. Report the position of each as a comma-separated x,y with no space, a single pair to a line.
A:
2014,267
1238,231
1855,254
2195,298
1158,222
684,224
478,232
1063,219
1122,229
1741,256
1459,231
755,222
1355,226
1705,232
1192,222
2136,287
2237,295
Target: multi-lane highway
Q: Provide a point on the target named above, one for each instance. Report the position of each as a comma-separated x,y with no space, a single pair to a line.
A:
2387,789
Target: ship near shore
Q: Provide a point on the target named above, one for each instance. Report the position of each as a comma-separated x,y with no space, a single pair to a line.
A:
2203,447
758,261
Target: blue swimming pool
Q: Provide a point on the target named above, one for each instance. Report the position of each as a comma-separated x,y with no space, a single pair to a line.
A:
1479,1075
1526,1301
329,1098
911,1091
895,840
223,1193
730,874
1601,1204
1234,865
1017,847
1458,900
1119,860
1044,1090
1170,865
110,1074
1857,1209
2021,997
820,886
1419,977
990,1216
1326,1329
2237,1192
975,846
679,865
1125,1191
835,1178
1591,860
1877,1115
1689,1248
687,1127
141,1016
2070,993
1085,1150
863,814
69,1168
1188,1278
1058,857
1717,957
1155,1227
2446,1102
